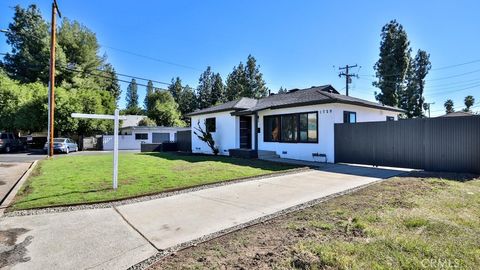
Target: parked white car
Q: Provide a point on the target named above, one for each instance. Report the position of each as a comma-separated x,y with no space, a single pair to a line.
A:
64,145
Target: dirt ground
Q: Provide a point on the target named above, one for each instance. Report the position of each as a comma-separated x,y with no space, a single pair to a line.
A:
351,231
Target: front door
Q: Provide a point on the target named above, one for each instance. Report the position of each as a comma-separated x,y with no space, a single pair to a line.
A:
245,132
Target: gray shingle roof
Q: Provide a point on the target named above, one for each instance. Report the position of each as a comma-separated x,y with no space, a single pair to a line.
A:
235,105
310,96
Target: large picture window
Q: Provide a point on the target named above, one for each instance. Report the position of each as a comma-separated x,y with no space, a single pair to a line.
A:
294,128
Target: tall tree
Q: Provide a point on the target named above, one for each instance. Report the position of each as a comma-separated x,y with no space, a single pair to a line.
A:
235,83
132,99
246,81
164,110
412,99
110,81
175,88
255,87
28,37
449,106
148,92
391,69
218,90
187,102
469,102
204,89
282,90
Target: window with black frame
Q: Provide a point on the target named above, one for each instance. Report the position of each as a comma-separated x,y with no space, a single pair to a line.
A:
271,129
141,136
349,117
210,124
295,128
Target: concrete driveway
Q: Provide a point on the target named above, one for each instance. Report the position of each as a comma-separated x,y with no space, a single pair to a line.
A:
125,235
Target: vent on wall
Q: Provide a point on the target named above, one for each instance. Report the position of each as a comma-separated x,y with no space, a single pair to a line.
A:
284,152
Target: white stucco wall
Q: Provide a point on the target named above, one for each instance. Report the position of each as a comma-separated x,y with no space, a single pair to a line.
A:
328,115
128,142
228,128
226,135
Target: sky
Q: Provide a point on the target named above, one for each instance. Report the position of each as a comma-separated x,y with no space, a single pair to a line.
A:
297,44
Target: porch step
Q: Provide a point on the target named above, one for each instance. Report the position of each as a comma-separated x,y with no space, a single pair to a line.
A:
264,154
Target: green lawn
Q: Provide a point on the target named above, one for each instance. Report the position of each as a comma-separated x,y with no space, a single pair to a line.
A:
84,179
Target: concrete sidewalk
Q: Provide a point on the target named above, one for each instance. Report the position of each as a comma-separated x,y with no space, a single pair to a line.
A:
119,238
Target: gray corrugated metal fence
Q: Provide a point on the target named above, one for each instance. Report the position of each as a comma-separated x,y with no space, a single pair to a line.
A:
434,144
184,140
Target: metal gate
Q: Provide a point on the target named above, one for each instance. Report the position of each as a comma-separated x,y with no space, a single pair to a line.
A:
435,144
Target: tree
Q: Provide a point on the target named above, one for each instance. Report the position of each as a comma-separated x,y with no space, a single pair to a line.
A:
148,92
412,99
282,90
235,83
206,136
147,122
204,89
218,90
28,37
246,81
175,88
391,69
255,85
110,82
132,99
163,109
469,102
81,49
449,106
187,102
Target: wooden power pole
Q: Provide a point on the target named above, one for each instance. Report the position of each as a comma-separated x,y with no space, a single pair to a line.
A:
51,94
348,76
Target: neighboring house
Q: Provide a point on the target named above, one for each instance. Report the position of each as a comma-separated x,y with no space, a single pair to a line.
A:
298,124
132,120
460,113
130,138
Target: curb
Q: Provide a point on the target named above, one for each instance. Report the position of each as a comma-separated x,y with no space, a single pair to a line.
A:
13,191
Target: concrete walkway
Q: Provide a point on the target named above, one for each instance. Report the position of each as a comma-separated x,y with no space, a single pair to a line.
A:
121,237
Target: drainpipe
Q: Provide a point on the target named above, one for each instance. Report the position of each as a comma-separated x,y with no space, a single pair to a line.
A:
255,126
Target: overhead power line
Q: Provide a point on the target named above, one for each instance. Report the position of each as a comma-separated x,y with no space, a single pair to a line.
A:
151,58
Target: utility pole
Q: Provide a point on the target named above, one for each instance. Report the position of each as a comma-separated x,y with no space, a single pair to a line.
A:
51,94
426,106
348,76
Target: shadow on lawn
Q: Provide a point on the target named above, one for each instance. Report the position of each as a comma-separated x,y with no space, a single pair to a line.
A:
193,158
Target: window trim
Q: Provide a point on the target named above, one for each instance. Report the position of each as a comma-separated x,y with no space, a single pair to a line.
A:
349,112
140,138
214,123
297,116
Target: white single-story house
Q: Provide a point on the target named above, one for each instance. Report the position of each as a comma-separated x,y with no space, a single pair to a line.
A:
131,138
298,124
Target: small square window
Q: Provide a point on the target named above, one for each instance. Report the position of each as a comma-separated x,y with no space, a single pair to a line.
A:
390,118
211,124
349,117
